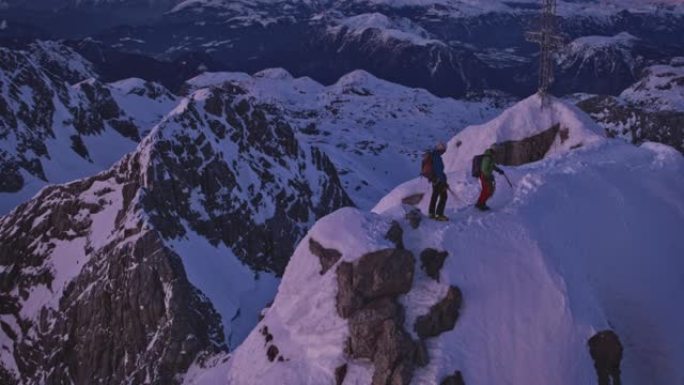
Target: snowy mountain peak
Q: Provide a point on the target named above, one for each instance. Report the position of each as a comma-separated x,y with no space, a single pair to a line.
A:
624,39
525,132
660,89
512,295
60,123
274,74
399,29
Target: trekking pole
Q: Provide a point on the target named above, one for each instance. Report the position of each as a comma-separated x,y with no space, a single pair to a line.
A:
452,192
508,180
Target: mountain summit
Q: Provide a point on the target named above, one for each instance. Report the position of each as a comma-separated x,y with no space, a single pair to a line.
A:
584,242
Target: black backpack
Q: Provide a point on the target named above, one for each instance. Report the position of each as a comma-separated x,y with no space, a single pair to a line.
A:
477,165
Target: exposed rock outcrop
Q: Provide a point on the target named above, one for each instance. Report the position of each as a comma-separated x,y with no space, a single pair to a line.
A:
431,261
384,273
327,257
147,311
272,352
367,297
635,123
442,316
528,150
414,217
366,323
395,234
454,379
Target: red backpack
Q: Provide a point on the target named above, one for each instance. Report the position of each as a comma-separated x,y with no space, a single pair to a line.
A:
426,166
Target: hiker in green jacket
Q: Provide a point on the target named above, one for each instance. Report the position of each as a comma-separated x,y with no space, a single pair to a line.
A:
487,181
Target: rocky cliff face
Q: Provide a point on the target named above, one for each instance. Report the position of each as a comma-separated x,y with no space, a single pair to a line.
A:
54,114
636,124
95,283
652,109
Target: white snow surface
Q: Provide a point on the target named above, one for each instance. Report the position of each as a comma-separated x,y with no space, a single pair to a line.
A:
373,131
589,50
660,89
146,102
234,291
584,241
587,46
598,41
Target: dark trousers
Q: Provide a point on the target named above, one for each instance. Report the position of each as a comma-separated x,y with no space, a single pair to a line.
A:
439,198
605,374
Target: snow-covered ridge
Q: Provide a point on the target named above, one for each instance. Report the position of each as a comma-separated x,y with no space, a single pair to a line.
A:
60,123
450,8
219,190
401,29
601,53
651,109
661,88
590,43
567,251
523,120
372,129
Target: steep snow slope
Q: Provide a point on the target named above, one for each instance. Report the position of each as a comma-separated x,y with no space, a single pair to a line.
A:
586,240
373,130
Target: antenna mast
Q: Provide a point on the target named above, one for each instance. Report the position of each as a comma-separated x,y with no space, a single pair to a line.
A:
549,41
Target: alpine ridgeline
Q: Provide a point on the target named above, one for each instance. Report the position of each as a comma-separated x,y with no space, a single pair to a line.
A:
59,123
133,274
652,109
449,47
586,240
372,130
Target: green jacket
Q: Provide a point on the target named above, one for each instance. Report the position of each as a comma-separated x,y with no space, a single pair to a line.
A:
488,165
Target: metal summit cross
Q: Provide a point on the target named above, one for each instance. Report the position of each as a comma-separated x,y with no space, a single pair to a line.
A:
549,41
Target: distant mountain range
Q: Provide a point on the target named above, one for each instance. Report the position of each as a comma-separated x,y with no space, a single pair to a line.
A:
454,48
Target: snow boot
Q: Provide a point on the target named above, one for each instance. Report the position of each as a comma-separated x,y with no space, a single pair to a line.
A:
441,218
482,207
